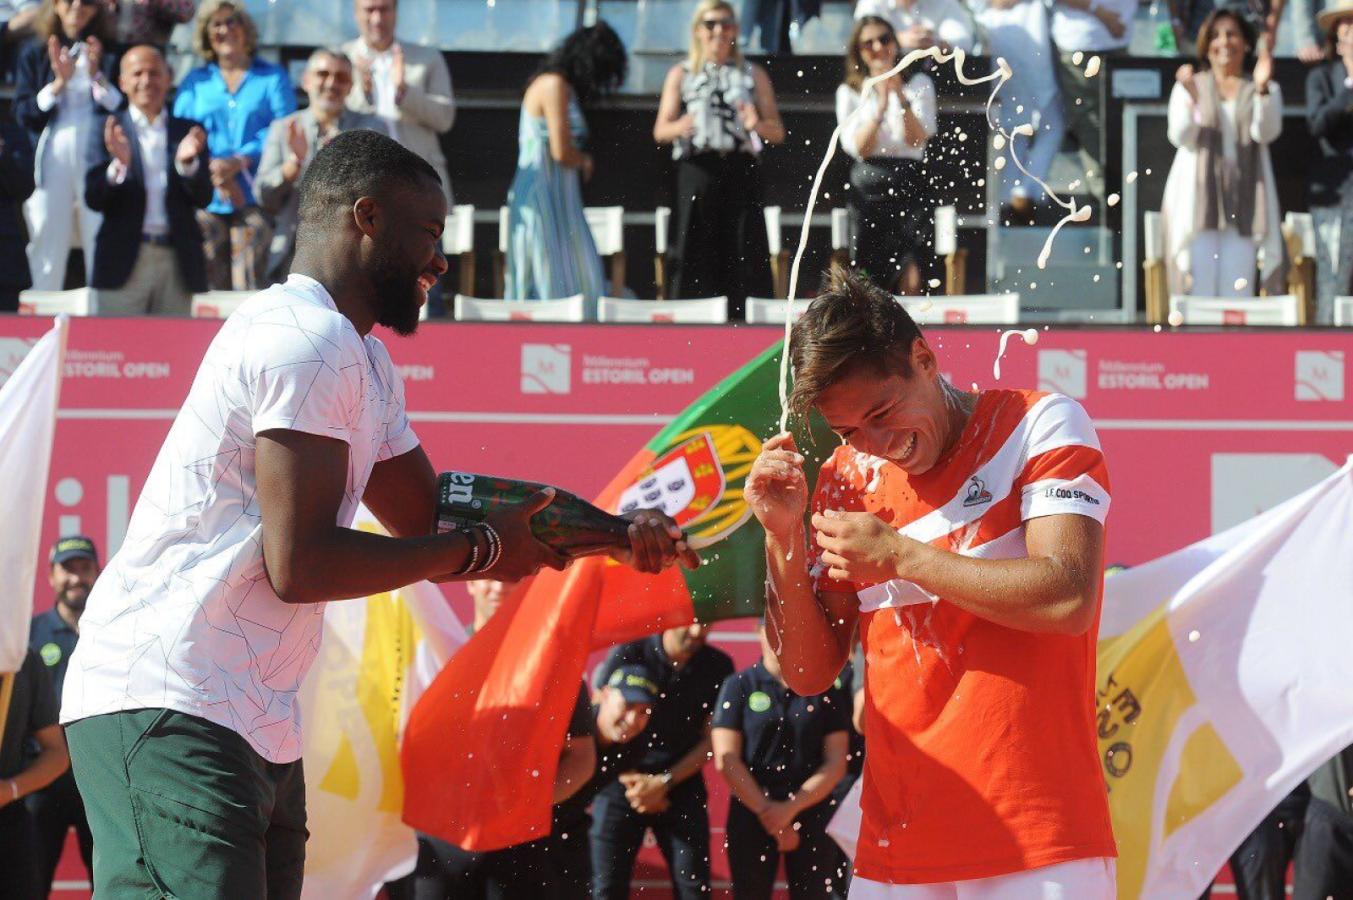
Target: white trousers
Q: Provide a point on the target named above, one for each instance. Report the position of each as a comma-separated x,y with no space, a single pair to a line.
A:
1080,879
54,208
1222,264
1036,153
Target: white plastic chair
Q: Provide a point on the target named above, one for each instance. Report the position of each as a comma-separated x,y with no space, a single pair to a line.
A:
1343,310
707,310
779,256
218,304
1279,310
75,302
607,224
477,309
500,255
770,310
458,241
841,229
965,309
662,220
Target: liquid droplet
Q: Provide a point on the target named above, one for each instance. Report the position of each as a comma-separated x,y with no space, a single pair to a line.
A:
1113,199
1175,318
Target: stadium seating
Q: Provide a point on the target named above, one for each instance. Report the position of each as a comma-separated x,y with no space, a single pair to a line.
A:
1280,310
75,302
966,309
608,233
476,309
218,304
708,310
771,310
458,242
1343,310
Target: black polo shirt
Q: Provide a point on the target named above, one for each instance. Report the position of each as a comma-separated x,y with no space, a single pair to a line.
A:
53,641
571,814
782,733
32,707
685,699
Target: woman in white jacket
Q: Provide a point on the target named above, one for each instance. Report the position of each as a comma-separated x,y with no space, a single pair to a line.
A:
1221,205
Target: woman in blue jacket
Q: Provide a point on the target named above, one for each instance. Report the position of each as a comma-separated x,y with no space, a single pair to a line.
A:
235,97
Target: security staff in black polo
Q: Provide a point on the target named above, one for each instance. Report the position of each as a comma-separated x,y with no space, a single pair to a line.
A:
74,567
781,755
620,715
664,790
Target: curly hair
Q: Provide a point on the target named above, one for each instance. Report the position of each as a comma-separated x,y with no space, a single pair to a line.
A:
851,323
202,27
47,23
592,60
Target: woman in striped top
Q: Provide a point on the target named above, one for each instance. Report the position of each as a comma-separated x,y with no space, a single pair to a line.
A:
717,111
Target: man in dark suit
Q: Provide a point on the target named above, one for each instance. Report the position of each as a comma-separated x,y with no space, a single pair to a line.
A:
16,183
147,174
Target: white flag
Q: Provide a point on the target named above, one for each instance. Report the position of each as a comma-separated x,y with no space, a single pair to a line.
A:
1223,682
28,402
377,656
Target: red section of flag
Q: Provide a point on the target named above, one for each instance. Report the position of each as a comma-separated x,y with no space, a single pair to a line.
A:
483,743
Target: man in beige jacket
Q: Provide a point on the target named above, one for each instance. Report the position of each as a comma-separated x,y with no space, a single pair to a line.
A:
407,85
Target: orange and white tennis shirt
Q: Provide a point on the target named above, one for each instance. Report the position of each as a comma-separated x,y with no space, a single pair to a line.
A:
982,757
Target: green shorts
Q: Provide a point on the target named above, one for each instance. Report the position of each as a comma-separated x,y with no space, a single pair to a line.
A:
183,808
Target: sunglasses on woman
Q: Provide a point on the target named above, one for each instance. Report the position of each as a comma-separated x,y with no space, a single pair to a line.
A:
716,24
879,43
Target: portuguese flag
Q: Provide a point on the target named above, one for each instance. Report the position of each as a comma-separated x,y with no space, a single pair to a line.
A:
483,742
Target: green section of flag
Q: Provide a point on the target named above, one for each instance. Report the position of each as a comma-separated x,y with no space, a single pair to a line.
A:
737,414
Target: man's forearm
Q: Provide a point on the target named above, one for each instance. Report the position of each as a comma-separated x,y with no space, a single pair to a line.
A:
818,786
46,768
804,638
350,563
692,762
742,784
1030,594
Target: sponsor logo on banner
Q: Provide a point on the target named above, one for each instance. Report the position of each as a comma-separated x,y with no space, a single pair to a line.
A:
107,364
12,352
1146,375
546,368
631,370
1062,372
1319,375
417,372
689,480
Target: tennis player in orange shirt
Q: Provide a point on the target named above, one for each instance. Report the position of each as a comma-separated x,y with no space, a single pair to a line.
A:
964,534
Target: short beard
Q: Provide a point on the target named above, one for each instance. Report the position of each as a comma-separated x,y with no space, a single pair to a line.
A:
396,296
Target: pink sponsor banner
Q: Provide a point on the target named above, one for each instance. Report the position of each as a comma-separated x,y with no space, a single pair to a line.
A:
1199,428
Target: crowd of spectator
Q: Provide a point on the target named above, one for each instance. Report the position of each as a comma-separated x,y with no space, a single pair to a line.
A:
175,189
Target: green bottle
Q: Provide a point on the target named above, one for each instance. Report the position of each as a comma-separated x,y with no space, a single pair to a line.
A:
569,524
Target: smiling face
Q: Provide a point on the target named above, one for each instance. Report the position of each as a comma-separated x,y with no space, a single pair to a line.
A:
717,32
225,33
376,22
905,419
327,81
618,720
1227,47
405,258
878,48
72,581
144,78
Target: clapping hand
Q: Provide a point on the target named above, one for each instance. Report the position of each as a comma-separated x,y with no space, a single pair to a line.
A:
1184,76
63,64
192,146
296,141
93,56
361,65
116,140
1263,68
397,73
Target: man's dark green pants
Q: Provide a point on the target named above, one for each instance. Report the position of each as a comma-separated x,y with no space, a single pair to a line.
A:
183,808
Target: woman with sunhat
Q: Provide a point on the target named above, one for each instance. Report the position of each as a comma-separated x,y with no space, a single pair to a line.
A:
1329,118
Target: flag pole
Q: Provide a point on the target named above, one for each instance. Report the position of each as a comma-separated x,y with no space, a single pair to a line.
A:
6,691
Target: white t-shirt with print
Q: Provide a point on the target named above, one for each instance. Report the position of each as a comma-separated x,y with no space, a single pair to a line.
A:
184,617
